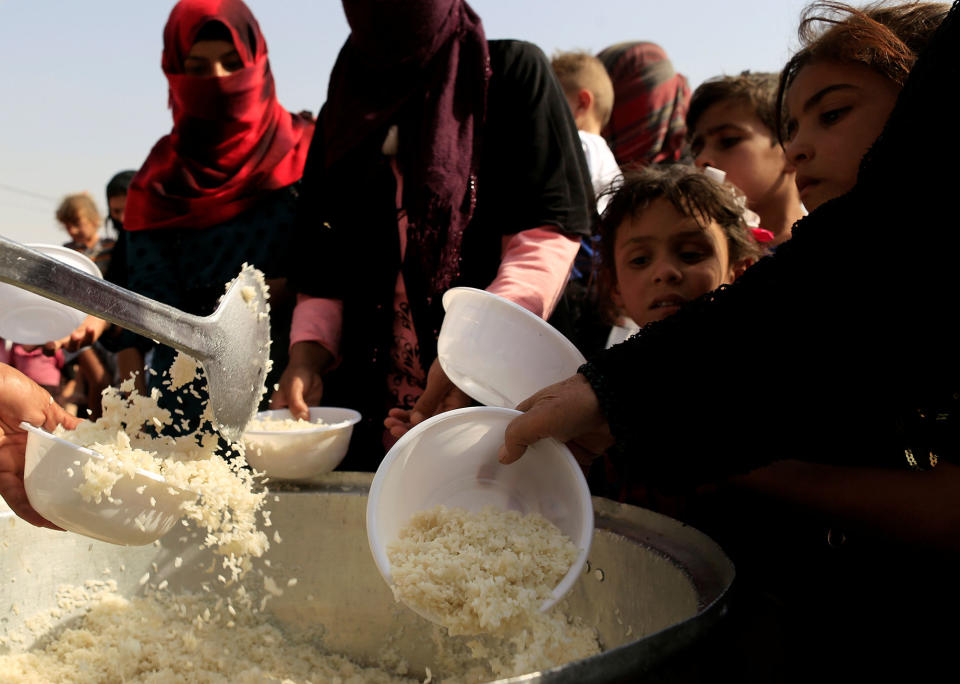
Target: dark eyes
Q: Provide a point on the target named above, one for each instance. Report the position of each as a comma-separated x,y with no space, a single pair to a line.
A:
687,255
200,66
831,116
195,67
233,63
692,255
696,147
826,118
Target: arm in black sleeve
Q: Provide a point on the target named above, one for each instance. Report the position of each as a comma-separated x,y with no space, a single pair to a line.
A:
533,170
859,307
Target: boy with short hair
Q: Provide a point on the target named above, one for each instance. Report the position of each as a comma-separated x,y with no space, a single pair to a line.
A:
79,216
589,92
731,126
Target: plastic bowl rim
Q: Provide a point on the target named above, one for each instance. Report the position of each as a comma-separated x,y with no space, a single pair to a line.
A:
159,479
556,334
43,247
376,487
355,418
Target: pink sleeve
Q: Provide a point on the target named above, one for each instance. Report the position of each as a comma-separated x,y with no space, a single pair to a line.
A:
534,269
317,320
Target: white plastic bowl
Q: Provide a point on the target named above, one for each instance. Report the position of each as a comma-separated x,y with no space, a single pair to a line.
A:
451,460
498,352
51,476
28,318
302,453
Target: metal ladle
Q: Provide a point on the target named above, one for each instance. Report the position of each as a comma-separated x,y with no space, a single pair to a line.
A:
232,344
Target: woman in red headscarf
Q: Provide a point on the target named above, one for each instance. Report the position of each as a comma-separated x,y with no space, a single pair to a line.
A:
441,159
220,189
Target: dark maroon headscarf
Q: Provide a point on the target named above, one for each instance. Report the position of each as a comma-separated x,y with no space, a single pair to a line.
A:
231,142
424,65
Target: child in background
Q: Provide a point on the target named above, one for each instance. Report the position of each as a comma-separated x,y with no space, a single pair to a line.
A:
81,219
589,93
732,126
670,235
43,370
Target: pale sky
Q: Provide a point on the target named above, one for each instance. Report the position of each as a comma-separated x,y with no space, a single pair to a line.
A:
83,95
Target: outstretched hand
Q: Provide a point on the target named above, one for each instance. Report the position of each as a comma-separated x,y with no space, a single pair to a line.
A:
567,411
23,400
440,395
85,335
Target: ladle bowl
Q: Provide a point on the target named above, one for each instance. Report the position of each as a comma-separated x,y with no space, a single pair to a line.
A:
232,344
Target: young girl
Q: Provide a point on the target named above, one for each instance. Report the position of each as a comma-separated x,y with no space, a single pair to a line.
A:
669,235
838,91
732,126
79,216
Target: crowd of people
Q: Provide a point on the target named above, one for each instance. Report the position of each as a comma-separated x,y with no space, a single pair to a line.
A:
758,271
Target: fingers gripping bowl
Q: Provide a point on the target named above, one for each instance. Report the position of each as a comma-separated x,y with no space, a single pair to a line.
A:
451,460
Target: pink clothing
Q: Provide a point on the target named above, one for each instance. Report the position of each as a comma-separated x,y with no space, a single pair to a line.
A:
533,273
316,319
534,268
43,370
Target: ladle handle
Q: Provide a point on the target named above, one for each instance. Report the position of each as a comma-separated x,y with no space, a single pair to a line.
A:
31,270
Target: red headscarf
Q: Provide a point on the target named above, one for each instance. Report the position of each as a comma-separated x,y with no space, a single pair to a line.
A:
231,142
650,103
428,62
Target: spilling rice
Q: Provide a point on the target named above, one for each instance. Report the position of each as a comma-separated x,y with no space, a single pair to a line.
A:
486,572
126,436
129,436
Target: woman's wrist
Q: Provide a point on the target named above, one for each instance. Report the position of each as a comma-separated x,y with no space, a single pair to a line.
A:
312,355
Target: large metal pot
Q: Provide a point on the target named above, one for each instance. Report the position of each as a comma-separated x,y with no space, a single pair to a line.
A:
653,586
